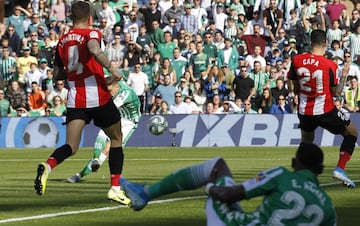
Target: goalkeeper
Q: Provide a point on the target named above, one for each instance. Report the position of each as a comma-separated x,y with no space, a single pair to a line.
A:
128,105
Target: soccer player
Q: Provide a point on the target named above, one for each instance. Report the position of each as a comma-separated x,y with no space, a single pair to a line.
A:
128,105
290,198
313,78
80,60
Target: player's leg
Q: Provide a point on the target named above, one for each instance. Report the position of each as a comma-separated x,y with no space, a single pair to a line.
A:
338,123
184,179
111,124
73,137
100,153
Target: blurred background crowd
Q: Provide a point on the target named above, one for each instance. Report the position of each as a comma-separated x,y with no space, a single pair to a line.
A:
180,56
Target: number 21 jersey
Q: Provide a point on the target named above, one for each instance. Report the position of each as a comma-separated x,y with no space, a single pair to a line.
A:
315,75
87,88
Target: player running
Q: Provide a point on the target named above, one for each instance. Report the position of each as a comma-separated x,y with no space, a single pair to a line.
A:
290,198
313,78
80,60
128,105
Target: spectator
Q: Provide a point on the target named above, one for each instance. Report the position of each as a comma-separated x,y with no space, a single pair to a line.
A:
133,26
4,104
48,83
247,107
334,10
255,56
166,69
344,20
256,40
14,40
7,68
37,100
352,95
17,20
105,30
219,16
229,55
337,51
198,61
174,12
58,106
265,102
194,109
188,21
105,11
60,90
249,30
260,79
229,79
157,34
209,108
352,42
215,84
281,107
144,40
132,57
219,40
184,88
243,86
273,17
138,80
201,14
164,108
279,89
156,105
16,95
20,111
199,96
166,90
179,106
34,25
350,68
179,63
33,75
217,104
151,14
166,48
117,51
24,62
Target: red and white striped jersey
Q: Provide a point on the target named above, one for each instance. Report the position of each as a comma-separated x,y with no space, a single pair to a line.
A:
316,75
87,87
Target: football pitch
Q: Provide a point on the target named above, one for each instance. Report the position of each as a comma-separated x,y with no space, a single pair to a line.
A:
85,203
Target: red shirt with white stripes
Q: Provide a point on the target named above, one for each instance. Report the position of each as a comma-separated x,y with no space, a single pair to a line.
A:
87,87
316,75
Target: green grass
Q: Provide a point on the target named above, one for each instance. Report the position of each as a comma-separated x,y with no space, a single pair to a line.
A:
18,199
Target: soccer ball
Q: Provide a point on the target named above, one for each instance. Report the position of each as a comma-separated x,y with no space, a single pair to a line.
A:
40,132
157,125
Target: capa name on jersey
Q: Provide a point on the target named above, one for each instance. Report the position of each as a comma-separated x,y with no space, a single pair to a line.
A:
311,61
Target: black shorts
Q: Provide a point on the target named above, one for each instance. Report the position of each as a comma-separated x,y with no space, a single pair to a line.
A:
334,121
103,116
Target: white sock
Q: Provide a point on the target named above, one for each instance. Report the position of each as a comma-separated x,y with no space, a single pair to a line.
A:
115,188
102,158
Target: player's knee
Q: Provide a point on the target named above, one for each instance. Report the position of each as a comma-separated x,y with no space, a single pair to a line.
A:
351,130
220,169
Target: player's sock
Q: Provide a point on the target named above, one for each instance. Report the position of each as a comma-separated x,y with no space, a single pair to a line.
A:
102,158
59,155
343,159
87,169
346,149
184,179
116,160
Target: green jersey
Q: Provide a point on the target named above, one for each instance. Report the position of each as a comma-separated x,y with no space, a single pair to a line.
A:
127,103
290,198
198,61
166,50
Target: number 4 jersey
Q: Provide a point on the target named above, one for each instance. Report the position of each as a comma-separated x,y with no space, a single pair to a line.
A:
290,198
87,88
315,75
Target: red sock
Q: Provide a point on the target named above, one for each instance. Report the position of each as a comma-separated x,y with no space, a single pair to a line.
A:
115,179
52,162
343,159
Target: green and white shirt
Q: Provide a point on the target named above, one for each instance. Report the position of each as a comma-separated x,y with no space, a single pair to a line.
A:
127,103
290,198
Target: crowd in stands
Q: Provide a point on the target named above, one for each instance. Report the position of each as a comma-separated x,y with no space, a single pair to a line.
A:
181,56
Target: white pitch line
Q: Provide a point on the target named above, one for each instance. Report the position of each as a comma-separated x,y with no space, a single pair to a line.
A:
91,210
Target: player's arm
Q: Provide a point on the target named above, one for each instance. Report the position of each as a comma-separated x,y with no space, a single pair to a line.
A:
293,83
59,69
96,51
227,194
336,90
